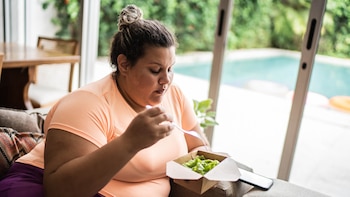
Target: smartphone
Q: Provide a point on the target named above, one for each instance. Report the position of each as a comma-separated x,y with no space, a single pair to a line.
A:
256,180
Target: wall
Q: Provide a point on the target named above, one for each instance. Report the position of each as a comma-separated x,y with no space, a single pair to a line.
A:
23,20
38,21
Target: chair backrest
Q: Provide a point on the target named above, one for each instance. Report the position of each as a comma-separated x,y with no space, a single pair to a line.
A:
60,45
1,62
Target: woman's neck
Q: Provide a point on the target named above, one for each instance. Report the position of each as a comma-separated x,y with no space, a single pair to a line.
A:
136,107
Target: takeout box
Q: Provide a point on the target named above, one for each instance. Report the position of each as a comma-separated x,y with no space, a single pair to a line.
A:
226,170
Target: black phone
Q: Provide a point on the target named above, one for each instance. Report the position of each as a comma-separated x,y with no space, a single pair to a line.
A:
255,180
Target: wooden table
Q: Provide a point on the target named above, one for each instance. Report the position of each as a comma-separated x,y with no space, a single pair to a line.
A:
17,72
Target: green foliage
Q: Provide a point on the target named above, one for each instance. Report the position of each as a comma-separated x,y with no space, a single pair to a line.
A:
335,39
193,21
66,18
250,24
290,18
202,110
254,23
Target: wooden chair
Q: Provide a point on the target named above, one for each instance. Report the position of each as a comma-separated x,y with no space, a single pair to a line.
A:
1,61
42,95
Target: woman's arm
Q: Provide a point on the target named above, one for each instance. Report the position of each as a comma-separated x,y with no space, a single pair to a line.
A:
76,167
194,143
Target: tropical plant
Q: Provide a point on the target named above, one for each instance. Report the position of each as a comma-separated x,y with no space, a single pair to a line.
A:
205,116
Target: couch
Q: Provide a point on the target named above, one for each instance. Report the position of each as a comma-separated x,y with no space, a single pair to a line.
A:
19,133
21,130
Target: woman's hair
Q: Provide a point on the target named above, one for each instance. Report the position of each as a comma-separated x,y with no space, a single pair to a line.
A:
135,34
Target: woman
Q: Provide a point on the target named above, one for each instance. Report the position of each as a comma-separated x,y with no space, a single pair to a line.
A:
101,139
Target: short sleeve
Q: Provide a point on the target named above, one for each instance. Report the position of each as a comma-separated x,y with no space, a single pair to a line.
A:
84,114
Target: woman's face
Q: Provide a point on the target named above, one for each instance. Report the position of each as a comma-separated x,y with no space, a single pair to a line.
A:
147,81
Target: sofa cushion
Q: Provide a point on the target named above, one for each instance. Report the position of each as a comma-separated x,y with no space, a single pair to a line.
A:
14,144
20,131
20,120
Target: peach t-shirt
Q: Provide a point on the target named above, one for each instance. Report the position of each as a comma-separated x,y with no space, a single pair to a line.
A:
98,113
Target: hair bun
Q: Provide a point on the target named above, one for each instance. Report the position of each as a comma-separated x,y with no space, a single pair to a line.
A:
129,14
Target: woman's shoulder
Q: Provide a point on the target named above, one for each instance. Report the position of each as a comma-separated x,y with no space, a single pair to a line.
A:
102,90
93,96
101,85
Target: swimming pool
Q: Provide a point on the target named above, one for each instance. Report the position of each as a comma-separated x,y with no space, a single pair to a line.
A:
327,79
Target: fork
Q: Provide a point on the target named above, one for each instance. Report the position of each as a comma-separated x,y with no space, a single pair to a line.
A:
193,133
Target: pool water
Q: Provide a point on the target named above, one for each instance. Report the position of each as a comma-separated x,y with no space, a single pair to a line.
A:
326,79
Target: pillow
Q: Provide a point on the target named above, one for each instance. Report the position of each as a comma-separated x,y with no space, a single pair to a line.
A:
20,120
14,144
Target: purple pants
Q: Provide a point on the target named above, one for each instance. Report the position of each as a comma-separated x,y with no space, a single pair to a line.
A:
23,180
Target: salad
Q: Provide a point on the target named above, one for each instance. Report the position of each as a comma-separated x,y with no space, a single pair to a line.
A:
200,164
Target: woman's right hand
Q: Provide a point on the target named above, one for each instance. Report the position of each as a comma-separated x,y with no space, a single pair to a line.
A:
148,127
